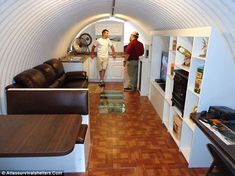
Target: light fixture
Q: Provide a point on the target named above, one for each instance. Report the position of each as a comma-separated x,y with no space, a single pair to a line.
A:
112,18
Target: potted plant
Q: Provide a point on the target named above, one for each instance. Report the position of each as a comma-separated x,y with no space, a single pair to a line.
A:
204,47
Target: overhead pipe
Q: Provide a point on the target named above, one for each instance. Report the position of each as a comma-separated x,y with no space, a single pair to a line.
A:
113,7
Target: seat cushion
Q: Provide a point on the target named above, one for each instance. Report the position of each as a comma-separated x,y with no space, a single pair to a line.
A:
48,72
61,80
31,78
55,84
76,84
57,66
76,75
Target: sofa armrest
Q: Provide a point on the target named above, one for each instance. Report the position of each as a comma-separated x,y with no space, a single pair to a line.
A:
47,101
76,75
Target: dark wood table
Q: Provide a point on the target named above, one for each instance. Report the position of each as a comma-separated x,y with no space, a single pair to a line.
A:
228,150
38,135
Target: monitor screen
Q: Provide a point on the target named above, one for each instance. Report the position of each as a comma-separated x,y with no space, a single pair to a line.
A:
164,61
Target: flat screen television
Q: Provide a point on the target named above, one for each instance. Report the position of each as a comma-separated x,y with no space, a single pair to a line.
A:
163,70
164,62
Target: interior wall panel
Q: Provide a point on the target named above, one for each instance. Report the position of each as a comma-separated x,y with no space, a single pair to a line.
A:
35,30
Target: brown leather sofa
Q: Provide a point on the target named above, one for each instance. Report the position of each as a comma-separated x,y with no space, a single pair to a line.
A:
50,74
47,89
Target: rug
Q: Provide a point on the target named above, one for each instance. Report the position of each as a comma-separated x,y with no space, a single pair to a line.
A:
112,102
95,88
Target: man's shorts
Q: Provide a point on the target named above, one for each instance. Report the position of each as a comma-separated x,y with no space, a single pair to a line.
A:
102,63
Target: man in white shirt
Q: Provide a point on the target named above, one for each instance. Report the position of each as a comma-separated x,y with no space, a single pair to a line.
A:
102,44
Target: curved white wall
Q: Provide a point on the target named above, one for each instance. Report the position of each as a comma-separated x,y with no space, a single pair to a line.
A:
34,30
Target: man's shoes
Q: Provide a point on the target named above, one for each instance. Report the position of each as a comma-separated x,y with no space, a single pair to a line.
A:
128,89
101,84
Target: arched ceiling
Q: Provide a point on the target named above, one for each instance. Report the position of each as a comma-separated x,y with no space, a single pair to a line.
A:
32,31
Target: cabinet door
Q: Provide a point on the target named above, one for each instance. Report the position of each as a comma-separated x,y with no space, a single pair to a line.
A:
86,67
72,66
115,70
93,73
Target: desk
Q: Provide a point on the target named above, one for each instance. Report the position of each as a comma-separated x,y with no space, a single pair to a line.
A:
38,135
228,150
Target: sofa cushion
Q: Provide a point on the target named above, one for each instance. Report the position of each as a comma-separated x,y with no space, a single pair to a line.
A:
48,72
55,84
76,84
76,75
31,78
57,66
61,80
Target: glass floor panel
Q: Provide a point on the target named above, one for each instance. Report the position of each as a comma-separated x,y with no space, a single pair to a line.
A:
111,102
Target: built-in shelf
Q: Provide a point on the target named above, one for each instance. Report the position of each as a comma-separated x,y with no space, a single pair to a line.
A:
192,141
166,122
191,89
178,112
156,85
175,139
168,100
190,124
198,57
183,67
170,76
186,152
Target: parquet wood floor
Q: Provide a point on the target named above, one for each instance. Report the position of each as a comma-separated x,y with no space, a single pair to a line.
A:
135,143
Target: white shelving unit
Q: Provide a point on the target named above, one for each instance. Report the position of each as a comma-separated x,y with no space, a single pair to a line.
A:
143,76
217,87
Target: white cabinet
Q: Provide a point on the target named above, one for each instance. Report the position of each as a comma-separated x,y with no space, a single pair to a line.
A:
73,66
216,86
76,65
157,98
143,76
93,73
114,72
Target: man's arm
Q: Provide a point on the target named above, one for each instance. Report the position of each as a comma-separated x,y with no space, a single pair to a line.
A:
92,52
126,56
128,51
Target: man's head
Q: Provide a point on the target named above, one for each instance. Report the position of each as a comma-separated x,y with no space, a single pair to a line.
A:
105,33
134,35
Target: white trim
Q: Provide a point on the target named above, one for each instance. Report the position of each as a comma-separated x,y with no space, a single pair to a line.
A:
47,89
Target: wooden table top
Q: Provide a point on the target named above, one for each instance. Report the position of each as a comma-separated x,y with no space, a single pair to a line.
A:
228,150
38,135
